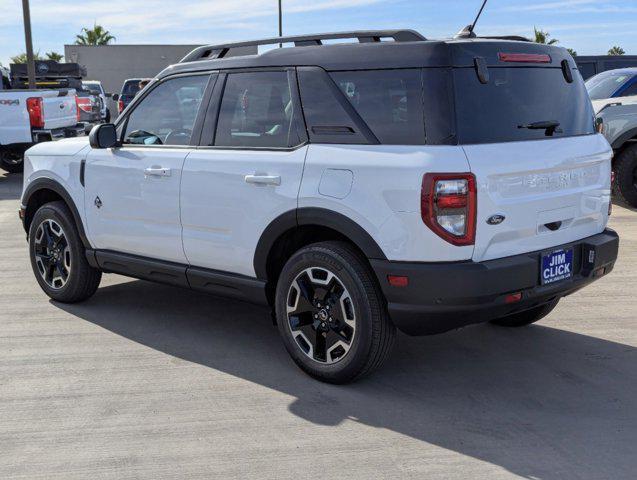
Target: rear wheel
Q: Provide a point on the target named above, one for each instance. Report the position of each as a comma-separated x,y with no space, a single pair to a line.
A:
625,167
331,314
11,160
527,317
58,256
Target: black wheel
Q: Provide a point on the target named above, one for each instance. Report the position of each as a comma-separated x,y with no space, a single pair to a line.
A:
331,313
625,167
11,160
527,317
58,256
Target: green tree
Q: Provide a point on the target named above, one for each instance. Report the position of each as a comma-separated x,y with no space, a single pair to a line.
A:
22,58
94,36
56,57
544,37
572,52
616,51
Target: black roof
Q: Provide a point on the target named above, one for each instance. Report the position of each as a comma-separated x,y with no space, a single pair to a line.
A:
406,51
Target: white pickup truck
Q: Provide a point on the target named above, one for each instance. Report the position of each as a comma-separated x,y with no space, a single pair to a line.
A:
28,117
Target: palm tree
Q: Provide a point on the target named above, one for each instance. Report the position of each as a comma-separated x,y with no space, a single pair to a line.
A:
543,37
616,51
56,57
94,36
22,58
572,52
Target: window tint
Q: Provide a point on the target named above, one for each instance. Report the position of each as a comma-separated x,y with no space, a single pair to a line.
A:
389,101
631,90
513,97
166,115
256,111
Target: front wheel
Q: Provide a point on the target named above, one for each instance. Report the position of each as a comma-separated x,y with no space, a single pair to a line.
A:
58,256
625,167
331,313
527,317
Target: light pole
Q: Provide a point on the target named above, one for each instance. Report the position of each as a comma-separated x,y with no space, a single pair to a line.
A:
29,43
280,22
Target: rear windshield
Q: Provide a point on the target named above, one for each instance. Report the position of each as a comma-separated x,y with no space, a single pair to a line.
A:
518,97
130,87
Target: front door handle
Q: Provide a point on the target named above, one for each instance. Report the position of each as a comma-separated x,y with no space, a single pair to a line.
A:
263,179
157,172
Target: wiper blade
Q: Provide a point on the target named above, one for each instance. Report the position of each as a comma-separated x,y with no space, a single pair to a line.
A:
541,125
549,126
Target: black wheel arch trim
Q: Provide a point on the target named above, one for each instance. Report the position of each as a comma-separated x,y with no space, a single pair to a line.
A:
320,217
623,138
49,184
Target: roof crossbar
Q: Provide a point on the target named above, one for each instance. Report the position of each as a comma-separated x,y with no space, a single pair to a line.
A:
211,52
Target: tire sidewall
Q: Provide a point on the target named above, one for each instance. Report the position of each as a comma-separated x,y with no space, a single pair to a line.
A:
356,357
61,216
624,171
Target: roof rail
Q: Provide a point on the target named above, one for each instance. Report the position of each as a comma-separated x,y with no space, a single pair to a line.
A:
211,52
517,38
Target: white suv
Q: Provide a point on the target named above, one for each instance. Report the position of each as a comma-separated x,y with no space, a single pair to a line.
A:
355,188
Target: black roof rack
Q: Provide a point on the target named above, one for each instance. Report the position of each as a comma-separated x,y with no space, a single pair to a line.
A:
211,52
517,38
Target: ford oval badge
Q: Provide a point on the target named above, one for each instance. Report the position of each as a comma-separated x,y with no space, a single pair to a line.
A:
495,219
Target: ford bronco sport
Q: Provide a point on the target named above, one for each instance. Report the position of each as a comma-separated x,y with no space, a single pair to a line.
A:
356,188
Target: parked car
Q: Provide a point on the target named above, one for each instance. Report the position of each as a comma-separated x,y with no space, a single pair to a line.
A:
613,84
28,117
355,188
130,88
96,88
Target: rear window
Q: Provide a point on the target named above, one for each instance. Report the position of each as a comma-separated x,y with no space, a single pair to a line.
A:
516,97
388,101
130,88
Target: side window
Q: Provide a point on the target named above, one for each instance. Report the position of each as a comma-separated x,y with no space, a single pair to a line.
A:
389,101
257,111
166,115
631,90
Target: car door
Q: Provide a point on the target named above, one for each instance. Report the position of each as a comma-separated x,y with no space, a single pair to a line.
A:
132,191
247,171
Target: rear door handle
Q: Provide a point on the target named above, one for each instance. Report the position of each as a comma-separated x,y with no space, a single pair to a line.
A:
263,179
157,172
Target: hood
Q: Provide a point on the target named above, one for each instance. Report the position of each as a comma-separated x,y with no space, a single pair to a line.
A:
598,105
59,148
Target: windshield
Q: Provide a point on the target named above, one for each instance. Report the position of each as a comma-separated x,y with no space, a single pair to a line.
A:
521,103
605,84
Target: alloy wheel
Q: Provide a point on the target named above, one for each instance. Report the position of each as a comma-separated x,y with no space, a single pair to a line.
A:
321,315
52,254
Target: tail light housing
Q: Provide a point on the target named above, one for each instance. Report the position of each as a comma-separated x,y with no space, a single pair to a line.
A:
120,106
448,206
84,104
36,115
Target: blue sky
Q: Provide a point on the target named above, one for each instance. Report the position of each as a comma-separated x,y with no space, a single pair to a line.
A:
588,26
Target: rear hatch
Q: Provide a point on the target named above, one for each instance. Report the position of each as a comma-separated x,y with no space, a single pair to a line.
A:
527,129
59,108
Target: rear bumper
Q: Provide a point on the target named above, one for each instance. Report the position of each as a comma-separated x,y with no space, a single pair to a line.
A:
444,296
46,135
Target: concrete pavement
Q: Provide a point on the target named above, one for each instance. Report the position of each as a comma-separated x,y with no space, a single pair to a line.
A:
153,382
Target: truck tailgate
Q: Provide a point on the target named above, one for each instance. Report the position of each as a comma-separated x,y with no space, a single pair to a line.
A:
59,109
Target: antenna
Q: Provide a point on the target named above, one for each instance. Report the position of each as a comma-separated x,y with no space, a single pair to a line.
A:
467,32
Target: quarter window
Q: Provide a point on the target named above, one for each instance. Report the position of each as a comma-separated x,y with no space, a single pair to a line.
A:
257,111
389,101
166,116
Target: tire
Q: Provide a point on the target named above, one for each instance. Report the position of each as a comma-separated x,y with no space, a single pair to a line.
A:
11,160
527,317
352,319
59,264
625,167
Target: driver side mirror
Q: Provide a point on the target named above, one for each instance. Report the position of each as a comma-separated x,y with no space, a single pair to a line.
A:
115,97
103,136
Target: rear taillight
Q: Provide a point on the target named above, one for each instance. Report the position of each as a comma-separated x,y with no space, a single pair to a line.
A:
36,115
448,206
84,104
120,106
524,57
